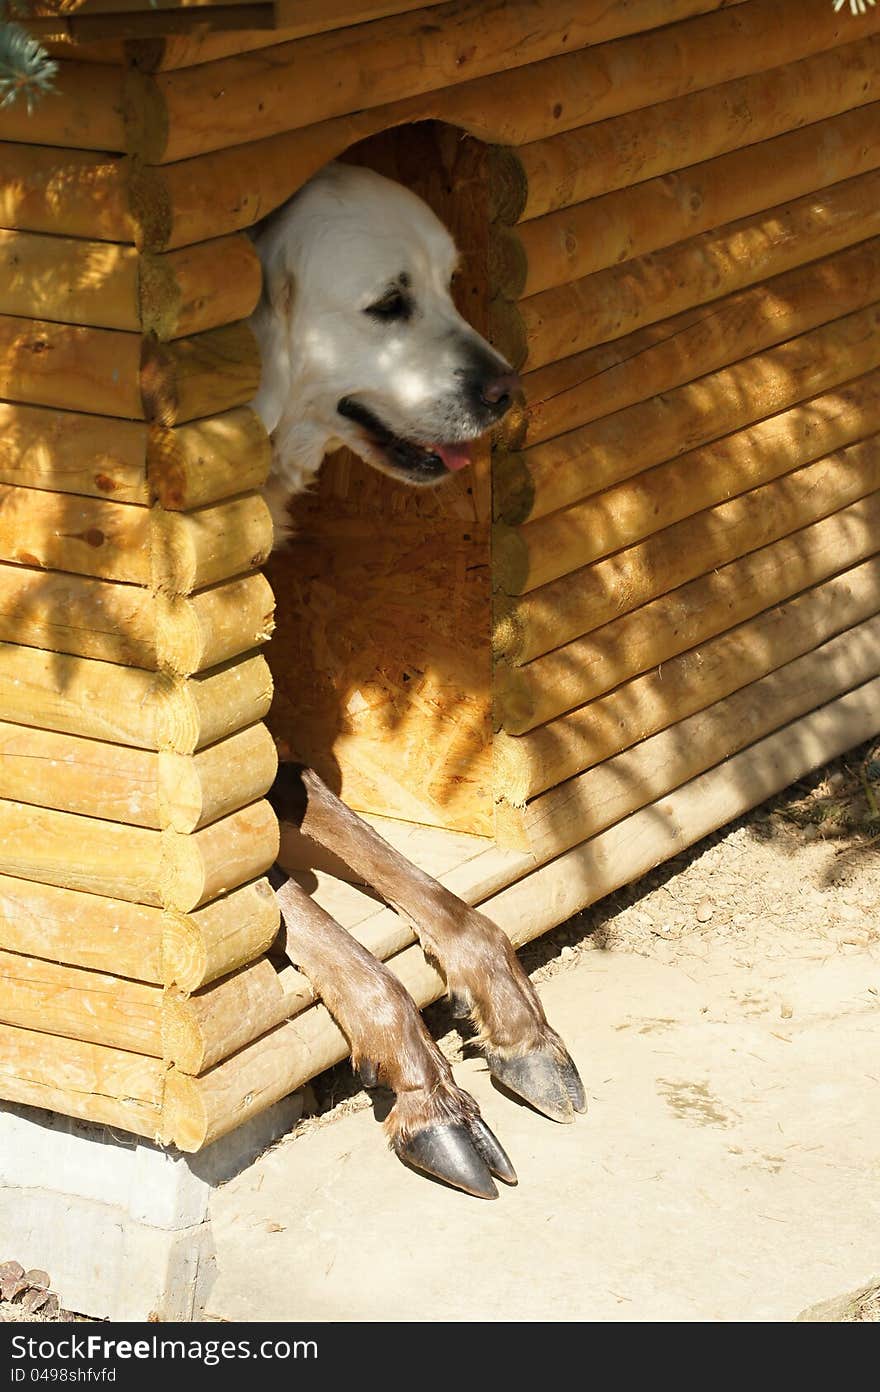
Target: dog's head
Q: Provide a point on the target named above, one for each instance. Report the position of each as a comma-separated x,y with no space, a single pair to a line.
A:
361,343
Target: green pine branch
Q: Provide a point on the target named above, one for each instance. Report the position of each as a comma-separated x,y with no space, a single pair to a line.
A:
26,70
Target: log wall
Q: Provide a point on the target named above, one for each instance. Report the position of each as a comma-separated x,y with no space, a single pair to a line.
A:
668,214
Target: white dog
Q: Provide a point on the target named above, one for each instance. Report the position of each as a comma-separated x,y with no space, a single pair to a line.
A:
362,346
361,343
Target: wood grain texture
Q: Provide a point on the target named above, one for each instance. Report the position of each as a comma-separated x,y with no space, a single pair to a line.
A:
646,637
212,105
623,298
166,869
80,193
110,1086
619,446
82,112
97,1007
587,237
86,536
207,460
137,787
83,930
577,604
595,159
565,541
529,764
69,452
588,803
142,942
659,357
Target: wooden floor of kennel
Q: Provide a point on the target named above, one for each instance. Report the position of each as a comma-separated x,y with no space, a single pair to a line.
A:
670,218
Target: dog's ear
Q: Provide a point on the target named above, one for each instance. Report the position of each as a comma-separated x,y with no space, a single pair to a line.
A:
280,291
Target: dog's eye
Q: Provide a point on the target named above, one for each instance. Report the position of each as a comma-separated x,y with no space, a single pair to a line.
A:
393,305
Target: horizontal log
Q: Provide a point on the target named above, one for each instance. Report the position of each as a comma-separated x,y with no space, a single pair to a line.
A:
210,106
200,287
84,1005
76,614
576,604
63,531
201,1030
68,452
197,789
60,365
200,947
207,460
199,376
167,869
566,470
230,188
181,468
294,19
80,193
575,242
109,1086
122,374
647,637
83,930
136,940
69,280
564,541
621,299
83,111
105,285
177,552
198,867
199,631
527,765
592,801
198,1110
596,83
194,549
126,624
128,706
101,284
137,787
599,381
200,710
595,159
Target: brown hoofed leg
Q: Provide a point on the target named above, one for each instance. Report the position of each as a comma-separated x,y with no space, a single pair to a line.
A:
433,1125
483,974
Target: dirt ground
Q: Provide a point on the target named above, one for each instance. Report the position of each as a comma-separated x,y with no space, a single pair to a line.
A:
797,877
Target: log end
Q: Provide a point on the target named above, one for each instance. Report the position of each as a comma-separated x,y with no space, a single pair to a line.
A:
508,185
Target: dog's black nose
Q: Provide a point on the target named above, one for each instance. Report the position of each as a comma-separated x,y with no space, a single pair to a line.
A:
498,392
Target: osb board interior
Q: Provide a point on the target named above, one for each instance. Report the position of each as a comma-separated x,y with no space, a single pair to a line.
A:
381,655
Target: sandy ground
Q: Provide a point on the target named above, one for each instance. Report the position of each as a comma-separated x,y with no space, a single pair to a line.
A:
762,943
725,1012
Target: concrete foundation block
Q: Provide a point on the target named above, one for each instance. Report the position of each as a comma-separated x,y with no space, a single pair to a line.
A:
120,1224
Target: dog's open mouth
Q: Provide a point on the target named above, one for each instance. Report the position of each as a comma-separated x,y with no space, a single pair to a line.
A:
421,463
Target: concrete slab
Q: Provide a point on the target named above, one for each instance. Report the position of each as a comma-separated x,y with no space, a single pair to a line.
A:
120,1224
728,1169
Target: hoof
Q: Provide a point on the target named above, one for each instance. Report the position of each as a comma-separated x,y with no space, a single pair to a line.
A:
550,1084
464,1156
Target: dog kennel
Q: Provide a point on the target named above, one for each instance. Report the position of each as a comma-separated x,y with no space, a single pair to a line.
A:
654,605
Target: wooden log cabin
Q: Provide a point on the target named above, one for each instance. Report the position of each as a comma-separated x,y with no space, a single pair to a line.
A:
653,603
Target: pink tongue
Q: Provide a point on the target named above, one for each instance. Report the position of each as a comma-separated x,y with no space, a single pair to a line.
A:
455,457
